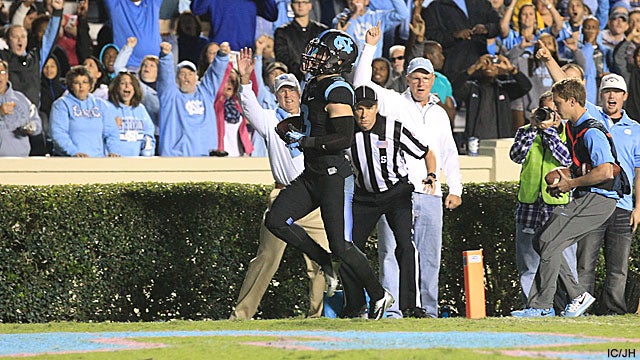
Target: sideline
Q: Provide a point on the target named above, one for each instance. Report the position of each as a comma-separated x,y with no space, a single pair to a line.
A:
14,345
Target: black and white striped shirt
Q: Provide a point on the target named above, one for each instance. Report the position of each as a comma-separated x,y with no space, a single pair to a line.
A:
378,154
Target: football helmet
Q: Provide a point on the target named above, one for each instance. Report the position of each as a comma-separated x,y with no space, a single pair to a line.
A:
331,52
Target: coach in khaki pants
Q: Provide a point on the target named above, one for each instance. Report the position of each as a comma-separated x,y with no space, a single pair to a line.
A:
285,167
265,264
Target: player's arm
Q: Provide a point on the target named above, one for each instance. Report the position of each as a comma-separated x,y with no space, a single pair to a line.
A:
341,118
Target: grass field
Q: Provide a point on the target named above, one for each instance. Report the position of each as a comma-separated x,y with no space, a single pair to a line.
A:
400,339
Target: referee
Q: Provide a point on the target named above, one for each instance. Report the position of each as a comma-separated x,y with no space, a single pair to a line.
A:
382,188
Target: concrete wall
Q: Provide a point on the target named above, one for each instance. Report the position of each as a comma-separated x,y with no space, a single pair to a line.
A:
492,164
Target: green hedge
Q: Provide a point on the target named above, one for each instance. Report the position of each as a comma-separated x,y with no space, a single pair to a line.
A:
149,251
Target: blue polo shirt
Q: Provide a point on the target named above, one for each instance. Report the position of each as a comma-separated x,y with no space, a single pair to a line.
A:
599,151
626,138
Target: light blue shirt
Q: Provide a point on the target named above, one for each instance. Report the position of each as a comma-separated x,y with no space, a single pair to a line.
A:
599,152
626,139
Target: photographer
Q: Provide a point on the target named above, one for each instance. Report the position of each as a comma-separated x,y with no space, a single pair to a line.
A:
488,87
539,147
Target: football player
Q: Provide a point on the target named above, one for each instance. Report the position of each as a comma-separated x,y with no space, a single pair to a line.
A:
327,180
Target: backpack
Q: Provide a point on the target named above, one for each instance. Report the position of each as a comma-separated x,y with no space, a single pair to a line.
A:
581,160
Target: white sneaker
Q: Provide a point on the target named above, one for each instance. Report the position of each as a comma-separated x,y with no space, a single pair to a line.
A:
378,308
579,305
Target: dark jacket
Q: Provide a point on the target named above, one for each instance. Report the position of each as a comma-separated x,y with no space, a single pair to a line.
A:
632,106
50,90
24,71
444,17
492,121
83,40
290,40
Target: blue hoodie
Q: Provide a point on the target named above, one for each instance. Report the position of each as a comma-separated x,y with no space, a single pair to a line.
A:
135,126
187,122
82,126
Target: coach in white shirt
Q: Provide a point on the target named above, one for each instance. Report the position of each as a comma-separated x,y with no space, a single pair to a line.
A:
285,169
432,121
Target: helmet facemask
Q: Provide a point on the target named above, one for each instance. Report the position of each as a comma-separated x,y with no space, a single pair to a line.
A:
315,57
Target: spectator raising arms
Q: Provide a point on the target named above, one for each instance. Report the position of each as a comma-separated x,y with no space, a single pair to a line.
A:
233,135
25,64
187,118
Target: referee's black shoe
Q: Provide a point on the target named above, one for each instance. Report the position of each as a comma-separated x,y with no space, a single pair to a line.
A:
416,312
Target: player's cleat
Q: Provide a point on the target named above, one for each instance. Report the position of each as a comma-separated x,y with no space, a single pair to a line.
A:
377,308
361,313
331,282
579,305
416,312
532,312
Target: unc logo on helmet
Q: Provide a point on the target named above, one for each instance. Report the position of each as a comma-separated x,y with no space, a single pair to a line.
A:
332,52
343,43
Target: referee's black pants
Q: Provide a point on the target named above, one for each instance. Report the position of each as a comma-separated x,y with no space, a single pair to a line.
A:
332,191
368,207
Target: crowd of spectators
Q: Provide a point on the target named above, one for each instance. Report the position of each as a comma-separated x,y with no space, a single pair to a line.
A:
182,54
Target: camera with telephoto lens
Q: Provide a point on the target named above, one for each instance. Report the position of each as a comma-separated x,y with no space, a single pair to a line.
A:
543,113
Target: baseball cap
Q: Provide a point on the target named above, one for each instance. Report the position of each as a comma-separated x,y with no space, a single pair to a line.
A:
366,96
613,81
188,64
420,63
620,4
276,65
287,80
619,14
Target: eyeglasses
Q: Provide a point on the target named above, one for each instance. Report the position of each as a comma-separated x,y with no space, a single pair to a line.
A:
401,57
3,72
424,79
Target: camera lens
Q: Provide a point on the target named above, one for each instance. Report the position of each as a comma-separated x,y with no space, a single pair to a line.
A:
541,114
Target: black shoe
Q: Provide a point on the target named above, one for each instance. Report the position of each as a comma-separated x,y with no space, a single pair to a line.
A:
361,313
218,153
416,312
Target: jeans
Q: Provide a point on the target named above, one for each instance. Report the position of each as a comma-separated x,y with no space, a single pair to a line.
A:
427,236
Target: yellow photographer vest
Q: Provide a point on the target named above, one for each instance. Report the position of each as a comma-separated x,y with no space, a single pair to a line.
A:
537,164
